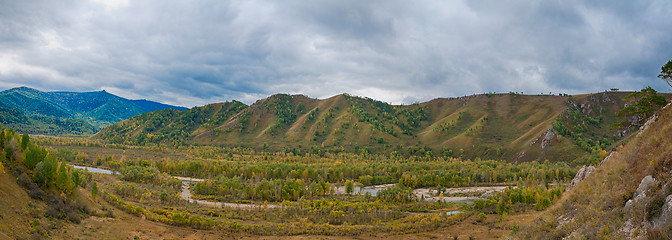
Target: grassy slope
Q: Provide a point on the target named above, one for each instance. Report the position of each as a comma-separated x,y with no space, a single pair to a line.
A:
15,208
487,126
595,208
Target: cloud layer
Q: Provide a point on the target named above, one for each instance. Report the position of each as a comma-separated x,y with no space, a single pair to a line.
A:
193,53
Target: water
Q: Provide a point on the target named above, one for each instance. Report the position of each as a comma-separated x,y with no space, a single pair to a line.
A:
453,213
95,170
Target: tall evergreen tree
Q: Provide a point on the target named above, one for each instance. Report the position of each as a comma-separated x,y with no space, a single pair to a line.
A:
63,180
24,141
94,190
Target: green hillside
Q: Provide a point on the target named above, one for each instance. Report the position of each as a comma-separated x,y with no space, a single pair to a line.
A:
68,113
511,126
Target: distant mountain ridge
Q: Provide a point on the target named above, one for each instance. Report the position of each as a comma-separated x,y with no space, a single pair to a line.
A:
511,126
68,112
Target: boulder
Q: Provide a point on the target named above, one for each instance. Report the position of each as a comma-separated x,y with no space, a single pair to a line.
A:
644,186
583,173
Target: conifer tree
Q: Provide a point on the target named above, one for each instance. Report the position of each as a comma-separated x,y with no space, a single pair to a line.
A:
63,180
24,141
94,190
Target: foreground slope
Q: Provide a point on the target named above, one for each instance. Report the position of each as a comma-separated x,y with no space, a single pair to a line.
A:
33,111
510,126
629,195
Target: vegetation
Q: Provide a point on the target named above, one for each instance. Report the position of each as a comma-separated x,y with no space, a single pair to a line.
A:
642,105
367,168
610,194
495,126
666,73
67,113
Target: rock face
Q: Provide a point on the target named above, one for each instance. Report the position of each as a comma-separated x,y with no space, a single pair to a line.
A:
645,185
606,159
583,173
640,193
665,213
648,123
634,208
546,138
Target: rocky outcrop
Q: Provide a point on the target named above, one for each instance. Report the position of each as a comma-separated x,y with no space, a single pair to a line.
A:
648,123
665,213
634,208
583,173
546,138
606,159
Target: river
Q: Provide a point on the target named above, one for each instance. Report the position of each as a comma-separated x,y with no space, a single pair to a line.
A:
372,190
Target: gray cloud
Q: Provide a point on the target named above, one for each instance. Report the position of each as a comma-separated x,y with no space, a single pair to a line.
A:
194,53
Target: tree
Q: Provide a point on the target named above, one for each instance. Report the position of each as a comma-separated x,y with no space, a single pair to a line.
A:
24,141
94,190
34,155
349,187
666,73
45,171
63,180
644,104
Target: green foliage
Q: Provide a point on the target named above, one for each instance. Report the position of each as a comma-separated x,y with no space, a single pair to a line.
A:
24,141
666,73
67,113
397,194
63,180
642,105
349,187
172,127
45,171
481,217
94,190
283,109
34,155
504,202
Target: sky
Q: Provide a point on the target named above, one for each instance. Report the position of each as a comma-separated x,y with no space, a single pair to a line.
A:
192,53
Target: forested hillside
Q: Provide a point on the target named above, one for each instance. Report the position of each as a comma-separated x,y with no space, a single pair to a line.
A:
68,113
511,126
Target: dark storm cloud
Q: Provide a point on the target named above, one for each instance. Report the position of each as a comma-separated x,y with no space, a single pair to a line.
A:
193,53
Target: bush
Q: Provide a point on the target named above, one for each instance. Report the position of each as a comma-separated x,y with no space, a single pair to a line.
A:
34,191
655,206
481,217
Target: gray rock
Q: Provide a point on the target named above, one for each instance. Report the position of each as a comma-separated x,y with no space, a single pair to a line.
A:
645,185
648,123
548,137
583,173
607,158
665,214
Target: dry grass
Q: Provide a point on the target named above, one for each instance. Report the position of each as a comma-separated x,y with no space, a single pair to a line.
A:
594,209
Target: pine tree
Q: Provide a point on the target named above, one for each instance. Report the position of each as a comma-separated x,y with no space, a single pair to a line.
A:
94,190
63,180
24,141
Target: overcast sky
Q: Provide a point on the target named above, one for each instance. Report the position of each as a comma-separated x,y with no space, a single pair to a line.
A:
192,53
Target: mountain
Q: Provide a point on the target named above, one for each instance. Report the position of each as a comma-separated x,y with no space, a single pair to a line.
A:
512,126
627,196
75,113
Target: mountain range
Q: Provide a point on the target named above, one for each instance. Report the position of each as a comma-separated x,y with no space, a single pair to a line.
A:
505,126
72,113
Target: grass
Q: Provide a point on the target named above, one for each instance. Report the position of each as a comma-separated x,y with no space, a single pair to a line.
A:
595,208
